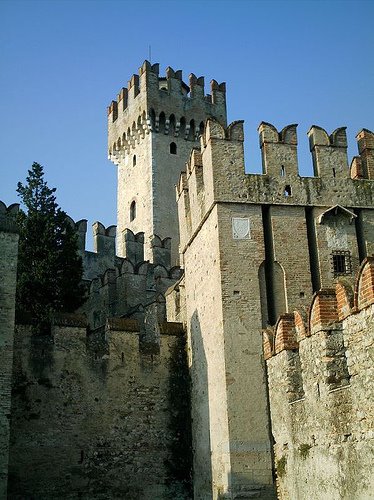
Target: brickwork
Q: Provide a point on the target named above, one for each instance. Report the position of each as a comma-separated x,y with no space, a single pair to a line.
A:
324,439
280,237
8,270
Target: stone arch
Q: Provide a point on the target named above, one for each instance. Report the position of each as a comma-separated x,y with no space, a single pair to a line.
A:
132,210
201,129
172,124
182,127
162,120
152,116
279,289
191,135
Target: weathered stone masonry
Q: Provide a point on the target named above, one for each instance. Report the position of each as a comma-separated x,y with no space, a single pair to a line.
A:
8,270
320,374
92,416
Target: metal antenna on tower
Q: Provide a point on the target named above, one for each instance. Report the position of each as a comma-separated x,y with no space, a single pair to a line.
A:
150,53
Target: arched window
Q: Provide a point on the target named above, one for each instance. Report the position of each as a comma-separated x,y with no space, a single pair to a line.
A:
134,160
287,191
201,128
132,210
173,148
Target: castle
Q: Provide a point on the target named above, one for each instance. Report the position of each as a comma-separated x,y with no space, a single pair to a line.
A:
228,331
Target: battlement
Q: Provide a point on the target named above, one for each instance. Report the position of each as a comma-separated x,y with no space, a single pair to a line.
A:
330,311
215,172
135,283
319,367
8,217
161,104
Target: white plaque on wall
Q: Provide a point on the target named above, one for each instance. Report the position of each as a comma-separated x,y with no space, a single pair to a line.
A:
241,228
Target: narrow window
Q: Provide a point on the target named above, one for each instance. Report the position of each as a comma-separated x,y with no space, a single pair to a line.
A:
134,160
283,171
341,262
334,172
132,210
287,191
122,357
173,148
201,128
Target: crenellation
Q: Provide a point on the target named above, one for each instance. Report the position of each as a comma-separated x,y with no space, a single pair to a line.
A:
133,246
365,140
279,150
161,251
196,86
168,118
8,216
218,92
334,411
104,239
329,153
81,230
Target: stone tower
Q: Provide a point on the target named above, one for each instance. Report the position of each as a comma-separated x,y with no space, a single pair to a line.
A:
152,127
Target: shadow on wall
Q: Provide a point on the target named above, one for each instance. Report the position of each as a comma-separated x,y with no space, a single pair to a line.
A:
200,414
241,490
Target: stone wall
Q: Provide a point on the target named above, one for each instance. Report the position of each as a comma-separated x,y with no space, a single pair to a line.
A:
8,274
99,416
130,285
320,373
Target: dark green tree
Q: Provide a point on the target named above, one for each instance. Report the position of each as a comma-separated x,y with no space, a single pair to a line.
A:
49,277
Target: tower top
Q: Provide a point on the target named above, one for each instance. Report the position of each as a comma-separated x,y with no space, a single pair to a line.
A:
150,97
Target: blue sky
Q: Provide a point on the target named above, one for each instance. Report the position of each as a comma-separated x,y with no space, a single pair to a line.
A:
62,62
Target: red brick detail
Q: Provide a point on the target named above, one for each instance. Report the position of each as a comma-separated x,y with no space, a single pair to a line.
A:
356,168
285,334
267,343
365,140
344,297
300,327
323,311
364,288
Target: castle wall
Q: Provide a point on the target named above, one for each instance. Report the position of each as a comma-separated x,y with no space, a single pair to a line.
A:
223,313
280,237
203,290
8,273
321,406
248,445
289,230
92,417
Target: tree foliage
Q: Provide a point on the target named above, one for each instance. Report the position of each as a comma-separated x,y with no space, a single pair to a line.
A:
50,270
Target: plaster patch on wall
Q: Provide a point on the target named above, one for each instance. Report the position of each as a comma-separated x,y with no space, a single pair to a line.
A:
336,237
241,228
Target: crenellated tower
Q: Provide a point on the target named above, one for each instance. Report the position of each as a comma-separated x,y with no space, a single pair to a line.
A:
152,127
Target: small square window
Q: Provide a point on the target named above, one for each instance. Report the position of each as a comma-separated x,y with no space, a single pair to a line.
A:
341,262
